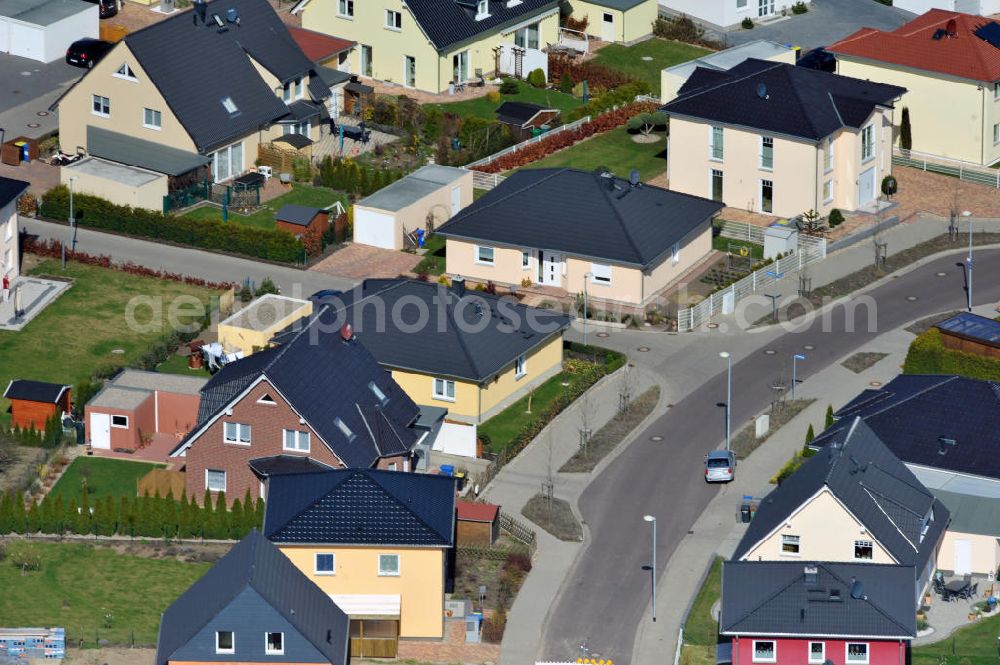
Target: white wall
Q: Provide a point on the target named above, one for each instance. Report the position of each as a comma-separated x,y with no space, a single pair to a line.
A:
8,241
948,481
723,13
59,35
983,7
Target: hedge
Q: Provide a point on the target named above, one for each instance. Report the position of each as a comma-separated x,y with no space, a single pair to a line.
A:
97,213
928,355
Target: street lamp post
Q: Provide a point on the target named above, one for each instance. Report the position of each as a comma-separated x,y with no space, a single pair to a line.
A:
795,358
968,262
652,571
729,394
586,278
71,220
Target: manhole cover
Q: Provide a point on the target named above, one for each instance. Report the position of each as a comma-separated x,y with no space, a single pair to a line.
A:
602,334
912,298
769,352
942,274
33,125
42,114
25,73
809,347
712,326
647,58
15,92
643,349
875,384
656,437
118,352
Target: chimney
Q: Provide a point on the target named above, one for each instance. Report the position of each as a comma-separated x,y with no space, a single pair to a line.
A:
458,286
347,333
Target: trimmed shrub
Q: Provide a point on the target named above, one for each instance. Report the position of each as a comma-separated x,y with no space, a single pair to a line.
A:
747,23
800,8
494,96
536,78
927,355
836,218
566,83
509,87
905,131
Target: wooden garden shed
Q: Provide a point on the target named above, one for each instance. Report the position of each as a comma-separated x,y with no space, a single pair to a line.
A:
34,402
478,524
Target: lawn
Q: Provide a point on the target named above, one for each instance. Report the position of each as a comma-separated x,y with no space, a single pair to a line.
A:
86,327
975,644
484,108
661,53
433,262
614,150
700,628
178,364
721,244
94,592
305,195
105,477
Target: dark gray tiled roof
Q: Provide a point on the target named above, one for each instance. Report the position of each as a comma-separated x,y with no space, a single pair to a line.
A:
11,189
256,563
873,484
34,391
332,76
972,514
912,413
123,149
297,141
448,22
796,101
517,113
296,214
584,214
774,598
361,507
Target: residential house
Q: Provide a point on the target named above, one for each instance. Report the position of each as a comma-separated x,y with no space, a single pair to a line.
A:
817,612
331,57
10,253
728,14
253,606
981,7
851,503
431,44
622,240
188,98
949,64
525,120
971,333
300,220
42,30
378,543
421,200
32,403
474,354
946,429
778,139
672,78
318,396
251,328
615,20
137,408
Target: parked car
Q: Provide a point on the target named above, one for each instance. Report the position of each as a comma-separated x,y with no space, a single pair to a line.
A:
87,52
820,59
720,466
105,8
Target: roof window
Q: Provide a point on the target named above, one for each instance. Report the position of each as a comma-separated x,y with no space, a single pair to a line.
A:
230,106
344,429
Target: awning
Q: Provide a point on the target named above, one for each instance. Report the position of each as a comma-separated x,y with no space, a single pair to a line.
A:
331,76
130,151
302,110
359,605
361,88
297,141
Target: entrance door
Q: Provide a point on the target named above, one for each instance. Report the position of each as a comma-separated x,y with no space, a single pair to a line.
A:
551,268
100,430
460,67
409,71
366,60
866,187
765,7
963,557
456,200
608,27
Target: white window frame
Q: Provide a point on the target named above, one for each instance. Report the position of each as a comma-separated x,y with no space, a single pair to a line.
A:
863,543
822,655
797,544
393,20
996,91
383,573
224,485
237,439
226,154
379,395
127,75
146,112
229,105
527,37
600,273
525,259
297,436
675,253
443,393
774,651
847,651
344,429
520,366
716,151
479,255
292,90
827,195
996,133
105,105
345,9
391,466
711,183
267,647
763,146
119,415
868,145
828,156
771,182
368,59
232,634
482,9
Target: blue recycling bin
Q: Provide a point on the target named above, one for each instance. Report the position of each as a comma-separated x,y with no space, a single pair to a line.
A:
420,237
447,469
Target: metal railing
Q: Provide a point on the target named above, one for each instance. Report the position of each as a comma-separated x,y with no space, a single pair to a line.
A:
532,140
952,167
486,181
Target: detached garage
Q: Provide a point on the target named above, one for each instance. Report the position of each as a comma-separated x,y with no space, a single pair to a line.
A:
42,30
431,194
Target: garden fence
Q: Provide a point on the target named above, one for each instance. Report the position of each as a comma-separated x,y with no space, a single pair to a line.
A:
532,140
518,531
952,167
743,231
486,181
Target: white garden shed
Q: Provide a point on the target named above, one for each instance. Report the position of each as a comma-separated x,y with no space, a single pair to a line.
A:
42,30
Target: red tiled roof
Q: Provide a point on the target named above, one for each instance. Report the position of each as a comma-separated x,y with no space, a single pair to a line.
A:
913,45
316,45
476,512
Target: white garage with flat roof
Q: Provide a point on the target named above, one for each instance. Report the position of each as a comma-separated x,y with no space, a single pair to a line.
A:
42,30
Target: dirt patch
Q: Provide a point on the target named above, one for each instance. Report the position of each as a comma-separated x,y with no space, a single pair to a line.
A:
745,441
108,656
862,360
923,325
645,138
556,517
608,437
21,470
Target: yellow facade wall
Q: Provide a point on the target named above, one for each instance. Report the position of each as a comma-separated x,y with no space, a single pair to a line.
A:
235,337
826,532
629,25
420,388
985,552
949,117
420,583
694,247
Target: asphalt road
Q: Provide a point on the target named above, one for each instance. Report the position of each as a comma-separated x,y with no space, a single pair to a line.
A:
605,596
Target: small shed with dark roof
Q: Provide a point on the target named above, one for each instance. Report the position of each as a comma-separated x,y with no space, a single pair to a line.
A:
523,118
971,333
477,524
34,402
299,220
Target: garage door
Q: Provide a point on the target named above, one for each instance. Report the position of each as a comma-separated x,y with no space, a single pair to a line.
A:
27,42
100,430
376,228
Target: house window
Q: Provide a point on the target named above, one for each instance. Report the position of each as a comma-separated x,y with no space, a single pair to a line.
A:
215,480
268,400
292,90
388,565
817,652
864,549
482,9
344,429
152,119
766,196
741,4
520,366
391,466
119,421
225,641
101,106
717,185
229,105
301,128
996,133
527,37
789,544
237,433
296,440
409,71
228,162
996,91
925,524
484,255
366,58
828,156
444,389
274,644
345,8
764,651
393,20
675,254
125,72
715,143
827,191
857,652
379,395
767,152
525,259
867,143
600,273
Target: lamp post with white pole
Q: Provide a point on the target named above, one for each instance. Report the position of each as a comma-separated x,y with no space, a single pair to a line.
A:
968,262
586,278
71,219
652,570
729,394
795,358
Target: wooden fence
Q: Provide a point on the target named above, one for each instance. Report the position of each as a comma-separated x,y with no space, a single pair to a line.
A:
518,531
282,161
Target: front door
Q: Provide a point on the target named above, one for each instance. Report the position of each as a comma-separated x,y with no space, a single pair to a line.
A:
100,430
409,71
366,60
765,7
963,557
866,187
460,67
608,27
550,268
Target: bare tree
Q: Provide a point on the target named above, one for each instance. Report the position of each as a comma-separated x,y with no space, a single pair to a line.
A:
626,388
583,407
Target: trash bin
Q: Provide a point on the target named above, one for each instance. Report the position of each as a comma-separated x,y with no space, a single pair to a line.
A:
456,143
420,237
447,469
473,622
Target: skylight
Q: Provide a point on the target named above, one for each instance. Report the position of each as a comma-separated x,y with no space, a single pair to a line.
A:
344,429
230,106
379,395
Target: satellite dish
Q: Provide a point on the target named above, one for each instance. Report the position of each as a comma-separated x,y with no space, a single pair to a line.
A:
762,90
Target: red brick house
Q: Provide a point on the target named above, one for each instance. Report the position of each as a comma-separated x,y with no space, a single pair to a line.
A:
322,397
34,402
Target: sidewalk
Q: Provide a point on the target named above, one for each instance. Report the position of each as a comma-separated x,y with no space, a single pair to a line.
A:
716,531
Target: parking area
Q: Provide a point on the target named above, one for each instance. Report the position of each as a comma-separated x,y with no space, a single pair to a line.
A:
27,89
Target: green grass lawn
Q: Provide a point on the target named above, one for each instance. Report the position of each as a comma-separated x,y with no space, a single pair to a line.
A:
484,108
975,644
82,329
434,260
79,584
729,244
614,150
105,477
177,364
663,53
306,195
700,628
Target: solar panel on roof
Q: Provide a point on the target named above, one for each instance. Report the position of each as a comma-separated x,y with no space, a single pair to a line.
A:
974,327
989,33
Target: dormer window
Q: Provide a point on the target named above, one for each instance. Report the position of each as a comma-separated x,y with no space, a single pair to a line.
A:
925,524
292,90
125,72
482,9
230,106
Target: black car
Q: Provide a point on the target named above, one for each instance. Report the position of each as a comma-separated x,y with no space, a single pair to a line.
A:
105,8
820,59
87,52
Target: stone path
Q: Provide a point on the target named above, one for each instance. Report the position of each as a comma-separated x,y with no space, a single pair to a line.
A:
366,262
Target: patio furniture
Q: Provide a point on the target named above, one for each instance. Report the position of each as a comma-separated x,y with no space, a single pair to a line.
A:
265,171
971,592
285,178
359,133
955,589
